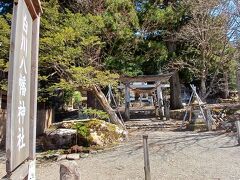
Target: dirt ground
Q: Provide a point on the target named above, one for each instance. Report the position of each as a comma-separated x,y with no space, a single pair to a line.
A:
173,155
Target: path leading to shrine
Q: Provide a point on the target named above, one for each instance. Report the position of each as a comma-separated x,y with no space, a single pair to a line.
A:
173,155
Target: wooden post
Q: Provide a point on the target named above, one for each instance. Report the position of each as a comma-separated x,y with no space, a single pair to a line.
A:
34,86
0,99
127,101
238,131
146,158
167,109
160,101
186,113
208,118
190,113
69,171
151,97
141,95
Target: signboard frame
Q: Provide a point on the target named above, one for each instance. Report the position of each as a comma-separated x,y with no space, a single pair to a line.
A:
33,8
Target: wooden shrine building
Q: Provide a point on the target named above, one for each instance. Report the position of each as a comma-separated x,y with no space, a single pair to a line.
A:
149,84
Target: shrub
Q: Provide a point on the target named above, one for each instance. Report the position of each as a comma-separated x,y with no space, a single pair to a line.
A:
95,113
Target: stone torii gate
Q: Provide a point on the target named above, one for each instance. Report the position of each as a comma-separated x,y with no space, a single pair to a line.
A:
158,82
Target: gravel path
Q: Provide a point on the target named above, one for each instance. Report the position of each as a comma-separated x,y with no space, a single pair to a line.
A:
173,155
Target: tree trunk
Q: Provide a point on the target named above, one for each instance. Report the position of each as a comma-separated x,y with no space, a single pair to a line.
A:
203,89
0,99
226,87
175,87
238,88
103,101
238,81
92,101
175,92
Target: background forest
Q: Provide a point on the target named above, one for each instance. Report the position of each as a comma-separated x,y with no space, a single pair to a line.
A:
89,44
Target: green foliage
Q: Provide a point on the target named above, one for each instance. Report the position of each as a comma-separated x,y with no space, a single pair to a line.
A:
74,45
77,97
59,93
83,44
82,129
160,16
107,133
121,17
89,76
3,84
96,113
67,39
4,42
4,48
148,57
154,56
95,124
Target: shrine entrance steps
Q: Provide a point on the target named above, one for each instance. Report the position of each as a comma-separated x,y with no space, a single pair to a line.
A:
153,123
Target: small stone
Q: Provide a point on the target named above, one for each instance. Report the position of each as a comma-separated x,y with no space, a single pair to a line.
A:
121,139
93,152
67,125
62,157
51,156
73,156
108,149
86,151
76,149
39,156
214,127
84,155
100,151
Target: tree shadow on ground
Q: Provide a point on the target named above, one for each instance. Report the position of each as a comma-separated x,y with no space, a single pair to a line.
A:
182,141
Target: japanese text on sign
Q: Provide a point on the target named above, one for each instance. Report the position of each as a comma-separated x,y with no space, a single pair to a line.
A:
22,82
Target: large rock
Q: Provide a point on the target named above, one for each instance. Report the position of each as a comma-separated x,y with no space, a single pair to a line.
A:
69,170
59,139
93,132
97,139
103,133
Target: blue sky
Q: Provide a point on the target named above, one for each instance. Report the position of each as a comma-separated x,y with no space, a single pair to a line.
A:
234,30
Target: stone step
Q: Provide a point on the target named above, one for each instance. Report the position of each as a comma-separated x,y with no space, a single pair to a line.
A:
147,127
146,124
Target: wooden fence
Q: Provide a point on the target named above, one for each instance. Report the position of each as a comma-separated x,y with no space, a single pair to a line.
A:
44,120
3,117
